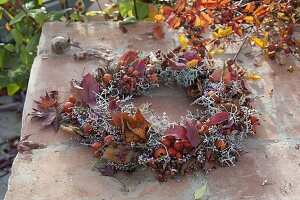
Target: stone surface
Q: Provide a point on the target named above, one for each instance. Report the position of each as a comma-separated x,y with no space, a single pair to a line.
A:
64,170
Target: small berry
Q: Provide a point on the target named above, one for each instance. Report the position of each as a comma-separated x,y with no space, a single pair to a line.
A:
87,128
135,73
172,152
107,78
96,146
130,70
178,145
178,155
166,142
72,99
160,152
108,138
67,107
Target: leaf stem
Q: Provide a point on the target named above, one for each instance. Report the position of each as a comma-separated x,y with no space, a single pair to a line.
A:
135,9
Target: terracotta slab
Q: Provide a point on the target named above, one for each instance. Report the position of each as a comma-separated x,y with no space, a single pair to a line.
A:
64,170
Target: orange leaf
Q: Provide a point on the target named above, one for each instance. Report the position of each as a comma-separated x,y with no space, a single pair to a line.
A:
173,21
180,5
239,17
224,2
250,7
48,100
206,18
115,148
259,9
158,31
238,30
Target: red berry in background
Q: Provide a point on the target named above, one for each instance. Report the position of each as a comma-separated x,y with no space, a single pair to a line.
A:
67,107
178,145
135,73
72,99
96,146
172,152
178,155
106,78
160,152
166,142
172,138
130,70
108,138
199,125
87,128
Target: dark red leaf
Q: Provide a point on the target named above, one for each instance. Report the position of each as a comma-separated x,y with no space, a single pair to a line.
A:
178,131
90,87
219,118
192,133
176,65
113,105
218,74
158,31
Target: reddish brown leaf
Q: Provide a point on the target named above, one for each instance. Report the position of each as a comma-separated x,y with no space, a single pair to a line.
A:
90,88
220,144
219,118
173,21
180,5
192,133
176,65
158,31
178,131
218,75
119,152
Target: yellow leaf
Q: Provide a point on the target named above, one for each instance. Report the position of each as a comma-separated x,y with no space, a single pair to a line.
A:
257,40
92,13
220,32
266,35
198,21
192,63
215,35
218,51
255,76
249,19
183,40
228,31
159,18
200,192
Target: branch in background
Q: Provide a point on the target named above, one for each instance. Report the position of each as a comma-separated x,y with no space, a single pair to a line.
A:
135,9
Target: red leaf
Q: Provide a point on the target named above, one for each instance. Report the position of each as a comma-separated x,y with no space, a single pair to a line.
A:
178,131
219,118
191,55
158,31
176,65
113,105
192,133
128,57
217,76
173,21
90,87
167,11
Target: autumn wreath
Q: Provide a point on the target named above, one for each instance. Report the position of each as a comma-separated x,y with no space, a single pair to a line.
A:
126,137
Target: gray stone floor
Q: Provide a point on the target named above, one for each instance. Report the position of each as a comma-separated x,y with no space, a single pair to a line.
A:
10,126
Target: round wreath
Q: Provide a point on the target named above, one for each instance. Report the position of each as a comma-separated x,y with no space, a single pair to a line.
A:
125,136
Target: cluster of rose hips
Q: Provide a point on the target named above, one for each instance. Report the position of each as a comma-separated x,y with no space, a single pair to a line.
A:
129,76
78,6
174,148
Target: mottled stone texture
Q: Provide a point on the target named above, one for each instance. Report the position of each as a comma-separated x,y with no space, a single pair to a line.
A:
64,170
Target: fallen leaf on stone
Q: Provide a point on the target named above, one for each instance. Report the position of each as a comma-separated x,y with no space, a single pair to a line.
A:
158,31
28,146
255,76
200,192
50,99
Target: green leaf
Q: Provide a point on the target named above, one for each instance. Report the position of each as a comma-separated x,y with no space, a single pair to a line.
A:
111,8
26,56
38,15
200,191
18,17
10,47
129,20
57,15
20,76
34,41
1,13
39,2
4,80
18,37
12,88
2,56
3,1
125,7
142,9
74,16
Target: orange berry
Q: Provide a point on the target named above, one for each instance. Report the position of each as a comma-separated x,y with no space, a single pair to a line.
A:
166,142
220,144
96,146
67,107
172,152
130,70
154,79
72,99
135,73
107,78
160,152
187,145
178,145
87,128
178,155
108,138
